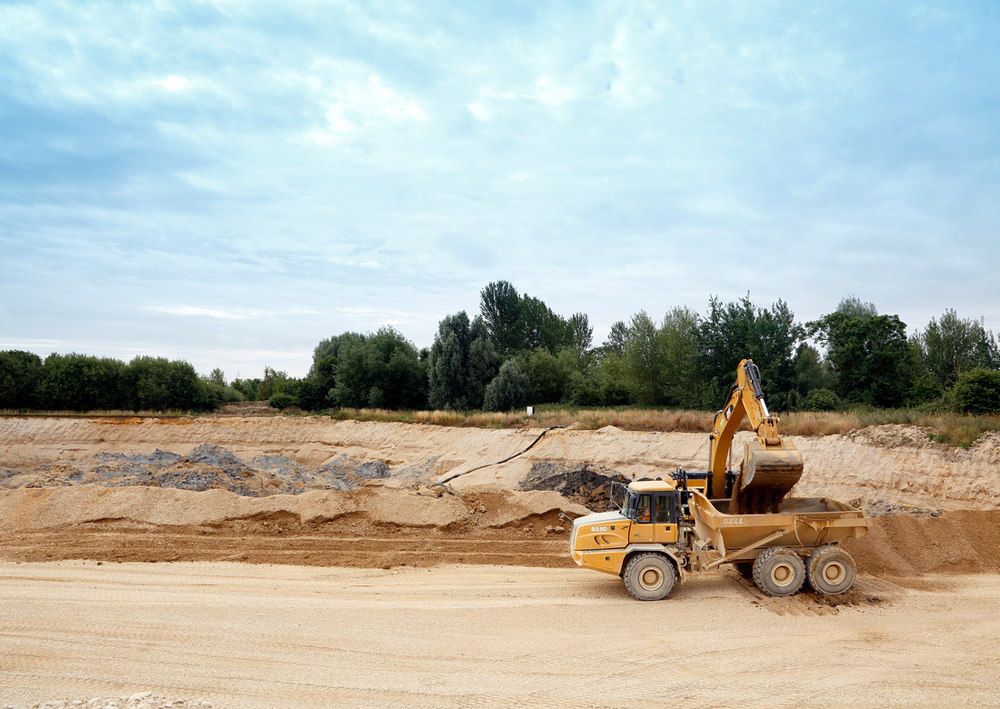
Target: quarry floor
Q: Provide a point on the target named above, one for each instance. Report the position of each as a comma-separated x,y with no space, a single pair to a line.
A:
257,636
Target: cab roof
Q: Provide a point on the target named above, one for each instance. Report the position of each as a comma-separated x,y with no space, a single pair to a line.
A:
652,485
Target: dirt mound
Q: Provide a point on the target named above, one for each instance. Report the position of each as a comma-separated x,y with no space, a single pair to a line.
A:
585,484
959,542
894,435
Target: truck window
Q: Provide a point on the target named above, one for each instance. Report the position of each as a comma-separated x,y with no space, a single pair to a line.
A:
642,509
664,503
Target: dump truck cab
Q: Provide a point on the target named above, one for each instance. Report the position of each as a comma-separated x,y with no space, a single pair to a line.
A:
649,521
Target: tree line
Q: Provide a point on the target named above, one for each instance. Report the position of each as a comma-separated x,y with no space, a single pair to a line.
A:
516,351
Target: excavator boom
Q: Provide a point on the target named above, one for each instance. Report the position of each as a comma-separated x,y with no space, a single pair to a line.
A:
771,465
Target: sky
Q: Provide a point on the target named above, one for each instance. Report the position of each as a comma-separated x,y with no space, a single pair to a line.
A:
229,183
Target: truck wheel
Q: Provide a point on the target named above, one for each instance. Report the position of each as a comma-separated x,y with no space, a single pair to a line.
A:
744,569
831,570
649,577
779,571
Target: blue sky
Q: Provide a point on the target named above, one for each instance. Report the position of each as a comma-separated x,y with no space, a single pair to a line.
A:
231,182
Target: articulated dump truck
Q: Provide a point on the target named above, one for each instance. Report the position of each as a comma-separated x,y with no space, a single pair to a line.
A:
701,520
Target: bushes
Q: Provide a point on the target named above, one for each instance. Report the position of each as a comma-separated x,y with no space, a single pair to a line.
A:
76,382
978,392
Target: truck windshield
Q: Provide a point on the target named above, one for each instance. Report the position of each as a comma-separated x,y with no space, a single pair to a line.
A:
628,507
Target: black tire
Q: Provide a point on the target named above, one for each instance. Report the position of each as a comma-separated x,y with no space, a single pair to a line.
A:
779,571
744,569
650,577
831,570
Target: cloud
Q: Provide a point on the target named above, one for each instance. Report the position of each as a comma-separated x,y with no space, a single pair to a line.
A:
175,83
226,313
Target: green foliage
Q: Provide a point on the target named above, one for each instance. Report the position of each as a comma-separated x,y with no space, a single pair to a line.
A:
518,323
978,392
500,307
736,331
870,356
82,383
282,401
511,389
821,400
615,344
549,378
20,374
274,382
581,332
378,371
461,362
952,345
156,384
248,388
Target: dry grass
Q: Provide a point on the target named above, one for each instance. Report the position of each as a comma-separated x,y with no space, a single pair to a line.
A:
948,428
952,429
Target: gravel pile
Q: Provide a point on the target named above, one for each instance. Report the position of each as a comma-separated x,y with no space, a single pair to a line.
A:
141,700
584,483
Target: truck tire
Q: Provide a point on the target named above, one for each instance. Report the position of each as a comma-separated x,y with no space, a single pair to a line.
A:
831,570
779,571
649,577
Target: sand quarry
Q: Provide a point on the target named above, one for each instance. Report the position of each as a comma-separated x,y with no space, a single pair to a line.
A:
317,563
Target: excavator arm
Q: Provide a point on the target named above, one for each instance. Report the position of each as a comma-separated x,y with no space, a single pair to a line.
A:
771,465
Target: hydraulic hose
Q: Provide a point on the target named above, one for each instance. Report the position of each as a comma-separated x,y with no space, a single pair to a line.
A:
499,462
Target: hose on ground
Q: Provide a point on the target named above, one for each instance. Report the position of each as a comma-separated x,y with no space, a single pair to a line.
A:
499,462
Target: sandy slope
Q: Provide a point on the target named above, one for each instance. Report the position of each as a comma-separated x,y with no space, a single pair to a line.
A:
896,464
459,636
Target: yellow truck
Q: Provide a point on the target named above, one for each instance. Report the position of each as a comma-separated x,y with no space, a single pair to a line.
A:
667,529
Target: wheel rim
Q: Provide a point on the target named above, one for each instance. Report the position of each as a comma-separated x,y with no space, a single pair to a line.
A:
650,578
834,573
783,575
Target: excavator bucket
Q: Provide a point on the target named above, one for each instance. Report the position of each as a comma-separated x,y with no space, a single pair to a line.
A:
769,473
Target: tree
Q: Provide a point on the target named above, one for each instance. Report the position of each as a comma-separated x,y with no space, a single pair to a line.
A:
500,307
461,362
952,345
617,339
379,371
274,382
741,330
541,327
82,383
661,363
869,355
549,376
581,332
20,375
511,389
156,384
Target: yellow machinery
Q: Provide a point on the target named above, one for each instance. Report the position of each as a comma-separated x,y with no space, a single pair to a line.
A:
771,465
666,529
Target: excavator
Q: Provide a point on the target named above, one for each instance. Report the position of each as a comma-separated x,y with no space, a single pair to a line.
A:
771,465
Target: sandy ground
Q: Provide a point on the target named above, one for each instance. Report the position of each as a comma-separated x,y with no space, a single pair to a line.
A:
398,592
458,636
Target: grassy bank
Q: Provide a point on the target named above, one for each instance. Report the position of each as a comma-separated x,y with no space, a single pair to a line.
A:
949,428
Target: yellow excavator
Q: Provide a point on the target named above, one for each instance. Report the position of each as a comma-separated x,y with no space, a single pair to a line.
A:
771,465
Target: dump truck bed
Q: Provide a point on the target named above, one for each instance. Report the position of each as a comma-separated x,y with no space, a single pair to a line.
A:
799,523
